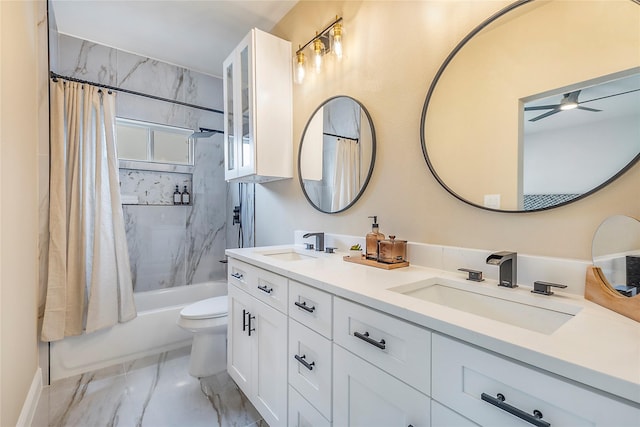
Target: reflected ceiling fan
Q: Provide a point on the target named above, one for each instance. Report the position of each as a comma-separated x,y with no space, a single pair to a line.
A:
568,102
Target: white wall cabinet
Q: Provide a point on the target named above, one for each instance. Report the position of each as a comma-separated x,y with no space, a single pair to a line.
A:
257,354
258,109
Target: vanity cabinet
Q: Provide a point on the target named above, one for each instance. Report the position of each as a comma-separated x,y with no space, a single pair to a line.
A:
258,112
489,389
257,354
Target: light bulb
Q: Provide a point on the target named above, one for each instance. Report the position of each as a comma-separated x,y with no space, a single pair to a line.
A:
318,49
337,40
568,106
299,71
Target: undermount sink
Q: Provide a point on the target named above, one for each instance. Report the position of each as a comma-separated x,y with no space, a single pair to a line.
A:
498,304
288,255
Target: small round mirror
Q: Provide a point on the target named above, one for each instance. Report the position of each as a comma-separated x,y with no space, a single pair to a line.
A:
616,250
337,153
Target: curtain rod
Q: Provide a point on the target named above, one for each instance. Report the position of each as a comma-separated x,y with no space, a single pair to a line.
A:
55,76
340,136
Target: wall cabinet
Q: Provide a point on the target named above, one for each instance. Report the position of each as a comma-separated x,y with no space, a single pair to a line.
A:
258,109
257,354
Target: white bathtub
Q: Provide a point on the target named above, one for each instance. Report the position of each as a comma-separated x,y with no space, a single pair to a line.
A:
153,331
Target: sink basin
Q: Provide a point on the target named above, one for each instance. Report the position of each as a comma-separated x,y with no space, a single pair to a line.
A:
288,255
503,305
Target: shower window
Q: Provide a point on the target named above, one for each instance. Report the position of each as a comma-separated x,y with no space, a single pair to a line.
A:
151,142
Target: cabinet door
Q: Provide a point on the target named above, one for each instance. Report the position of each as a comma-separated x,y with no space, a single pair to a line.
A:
366,396
441,416
270,364
229,94
246,140
239,351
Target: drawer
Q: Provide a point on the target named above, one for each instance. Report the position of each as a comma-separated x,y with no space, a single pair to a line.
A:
462,375
270,288
302,413
310,366
239,273
397,347
311,307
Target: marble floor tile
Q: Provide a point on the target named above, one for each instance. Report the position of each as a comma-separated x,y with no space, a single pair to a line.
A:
155,391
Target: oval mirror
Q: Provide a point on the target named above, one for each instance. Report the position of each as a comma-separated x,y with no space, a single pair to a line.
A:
616,250
538,106
337,153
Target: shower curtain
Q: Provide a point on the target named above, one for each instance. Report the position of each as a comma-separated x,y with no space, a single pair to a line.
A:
346,178
89,278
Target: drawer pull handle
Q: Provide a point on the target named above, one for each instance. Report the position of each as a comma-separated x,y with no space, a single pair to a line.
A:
244,320
265,289
306,364
365,337
237,276
498,401
303,305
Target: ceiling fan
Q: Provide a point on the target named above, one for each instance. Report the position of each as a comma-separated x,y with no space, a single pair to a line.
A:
568,102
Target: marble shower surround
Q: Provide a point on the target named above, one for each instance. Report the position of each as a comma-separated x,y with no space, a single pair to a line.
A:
168,245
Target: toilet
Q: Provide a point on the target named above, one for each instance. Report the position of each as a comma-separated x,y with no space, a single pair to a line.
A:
207,320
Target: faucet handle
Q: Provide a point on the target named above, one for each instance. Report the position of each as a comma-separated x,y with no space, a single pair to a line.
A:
474,275
544,288
330,250
308,246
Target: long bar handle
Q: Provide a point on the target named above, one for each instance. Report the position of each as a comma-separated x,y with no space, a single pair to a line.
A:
237,276
244,320
249,325
303,305
265,289
365,337
498,401
306,364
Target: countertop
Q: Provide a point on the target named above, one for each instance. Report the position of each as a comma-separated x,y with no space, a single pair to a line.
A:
597,347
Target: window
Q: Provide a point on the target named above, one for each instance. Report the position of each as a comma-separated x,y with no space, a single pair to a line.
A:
151,142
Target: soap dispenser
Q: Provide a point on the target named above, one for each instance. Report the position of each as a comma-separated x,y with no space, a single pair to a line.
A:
372,239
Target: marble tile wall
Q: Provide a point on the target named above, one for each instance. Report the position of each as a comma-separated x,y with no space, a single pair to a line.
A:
168,245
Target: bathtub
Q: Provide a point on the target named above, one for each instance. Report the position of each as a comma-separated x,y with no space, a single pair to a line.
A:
153,331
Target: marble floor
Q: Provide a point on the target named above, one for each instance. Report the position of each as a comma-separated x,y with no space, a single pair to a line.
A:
155,391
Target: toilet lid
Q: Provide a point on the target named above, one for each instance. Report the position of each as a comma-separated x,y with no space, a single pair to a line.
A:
206,309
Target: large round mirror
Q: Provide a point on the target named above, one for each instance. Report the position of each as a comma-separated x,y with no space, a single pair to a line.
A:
337,154
538,106
616,250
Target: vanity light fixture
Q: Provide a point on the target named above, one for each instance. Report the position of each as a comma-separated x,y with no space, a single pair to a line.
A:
326,41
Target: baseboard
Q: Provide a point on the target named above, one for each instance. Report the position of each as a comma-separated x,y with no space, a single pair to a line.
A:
31,402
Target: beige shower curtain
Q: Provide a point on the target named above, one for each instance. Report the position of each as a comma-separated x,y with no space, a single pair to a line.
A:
89,278
346,179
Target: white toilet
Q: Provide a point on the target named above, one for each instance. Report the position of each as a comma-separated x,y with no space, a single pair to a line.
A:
207,319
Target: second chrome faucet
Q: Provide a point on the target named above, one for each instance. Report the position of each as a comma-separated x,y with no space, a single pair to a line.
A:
508,263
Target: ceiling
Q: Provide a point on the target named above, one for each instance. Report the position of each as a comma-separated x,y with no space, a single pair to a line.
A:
197,35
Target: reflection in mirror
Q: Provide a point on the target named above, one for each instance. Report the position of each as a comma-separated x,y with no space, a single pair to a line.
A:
336,154
580,138
616,250
477,136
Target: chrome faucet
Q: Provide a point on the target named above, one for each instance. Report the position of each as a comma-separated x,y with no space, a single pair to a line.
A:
319,240
508,262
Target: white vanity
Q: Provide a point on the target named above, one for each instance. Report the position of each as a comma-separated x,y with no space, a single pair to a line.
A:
316,341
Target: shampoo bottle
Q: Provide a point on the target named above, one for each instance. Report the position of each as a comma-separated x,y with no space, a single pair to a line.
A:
186,197
372,239
177,198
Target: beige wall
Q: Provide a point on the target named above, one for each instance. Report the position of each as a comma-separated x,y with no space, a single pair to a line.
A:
20,98
392,52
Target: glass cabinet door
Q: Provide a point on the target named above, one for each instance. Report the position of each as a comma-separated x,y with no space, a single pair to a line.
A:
229,124
245,151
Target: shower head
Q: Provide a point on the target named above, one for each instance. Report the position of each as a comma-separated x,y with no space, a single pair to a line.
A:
205,133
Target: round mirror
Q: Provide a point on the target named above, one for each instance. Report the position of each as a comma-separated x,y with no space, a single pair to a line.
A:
538,106
616,250
337,154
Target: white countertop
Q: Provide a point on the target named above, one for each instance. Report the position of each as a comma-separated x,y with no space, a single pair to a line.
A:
597,347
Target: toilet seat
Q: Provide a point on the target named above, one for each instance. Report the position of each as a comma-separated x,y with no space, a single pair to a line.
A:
209,308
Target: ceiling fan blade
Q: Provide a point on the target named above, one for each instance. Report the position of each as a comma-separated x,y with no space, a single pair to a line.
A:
547,114
580,107
541,107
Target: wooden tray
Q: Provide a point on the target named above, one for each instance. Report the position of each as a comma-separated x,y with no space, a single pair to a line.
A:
377,264
598,290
